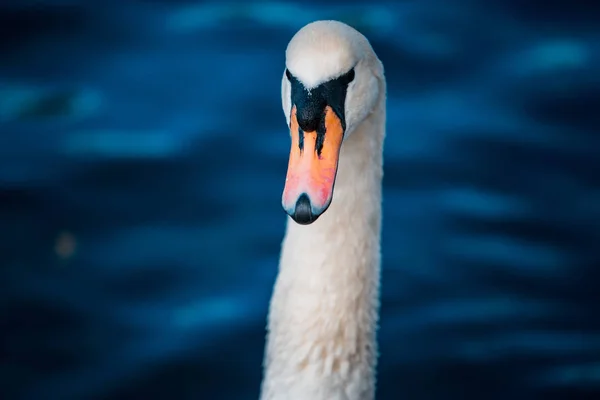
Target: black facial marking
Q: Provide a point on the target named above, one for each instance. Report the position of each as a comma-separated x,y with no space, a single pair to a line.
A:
300,139
310,104
320,136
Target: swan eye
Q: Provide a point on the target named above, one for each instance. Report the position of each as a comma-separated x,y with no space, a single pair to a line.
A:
288,74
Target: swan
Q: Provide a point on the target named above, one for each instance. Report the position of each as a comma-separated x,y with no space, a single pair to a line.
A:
322,320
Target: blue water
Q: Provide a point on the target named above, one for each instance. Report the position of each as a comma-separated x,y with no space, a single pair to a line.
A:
142,156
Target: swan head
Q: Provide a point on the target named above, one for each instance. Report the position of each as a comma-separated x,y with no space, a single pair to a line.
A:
331,83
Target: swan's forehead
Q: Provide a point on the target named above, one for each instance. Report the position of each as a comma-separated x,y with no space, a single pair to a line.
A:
322,51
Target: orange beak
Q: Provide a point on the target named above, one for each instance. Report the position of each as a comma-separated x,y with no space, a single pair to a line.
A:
312,168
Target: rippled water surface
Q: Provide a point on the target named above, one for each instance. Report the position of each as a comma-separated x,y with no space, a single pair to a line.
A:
142,157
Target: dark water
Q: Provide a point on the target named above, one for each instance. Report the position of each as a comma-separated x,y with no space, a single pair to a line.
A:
142,157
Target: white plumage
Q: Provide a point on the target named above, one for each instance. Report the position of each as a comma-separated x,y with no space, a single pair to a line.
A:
321,342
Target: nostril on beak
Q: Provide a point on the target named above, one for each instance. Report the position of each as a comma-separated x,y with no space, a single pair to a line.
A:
303,213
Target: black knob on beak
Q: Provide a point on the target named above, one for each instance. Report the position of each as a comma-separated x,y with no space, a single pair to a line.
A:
310,113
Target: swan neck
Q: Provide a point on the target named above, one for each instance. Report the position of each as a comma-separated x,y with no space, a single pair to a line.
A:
324,308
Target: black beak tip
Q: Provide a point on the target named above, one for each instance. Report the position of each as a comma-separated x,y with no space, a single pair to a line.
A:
303,214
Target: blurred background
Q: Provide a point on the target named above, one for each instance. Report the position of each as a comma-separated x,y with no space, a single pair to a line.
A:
143,151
